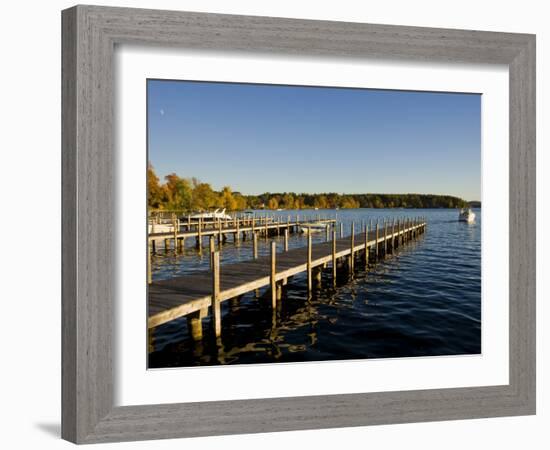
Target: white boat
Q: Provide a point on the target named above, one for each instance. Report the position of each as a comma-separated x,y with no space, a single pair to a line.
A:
466,215
217,214
313,227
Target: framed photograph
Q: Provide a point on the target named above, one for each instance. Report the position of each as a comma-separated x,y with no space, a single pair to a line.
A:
267,222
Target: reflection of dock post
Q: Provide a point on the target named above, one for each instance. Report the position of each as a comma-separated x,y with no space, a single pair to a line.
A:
385,238
286,239
216,308
352,247
272,275
194,325
334,254
309,274
392,239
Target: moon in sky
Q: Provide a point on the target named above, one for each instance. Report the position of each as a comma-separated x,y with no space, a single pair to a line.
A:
162,112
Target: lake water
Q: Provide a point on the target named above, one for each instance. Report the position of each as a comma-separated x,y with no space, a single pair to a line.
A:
424,300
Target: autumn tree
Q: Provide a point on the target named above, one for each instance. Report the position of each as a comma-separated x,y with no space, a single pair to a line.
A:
273,203
154,190
204,197
227,199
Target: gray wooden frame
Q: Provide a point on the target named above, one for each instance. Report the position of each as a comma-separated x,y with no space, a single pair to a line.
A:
89,36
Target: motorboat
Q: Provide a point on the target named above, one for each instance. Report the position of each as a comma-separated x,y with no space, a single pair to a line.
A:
466,215
211,216
316,227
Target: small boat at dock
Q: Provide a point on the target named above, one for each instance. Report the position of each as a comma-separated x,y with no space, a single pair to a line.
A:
466,215
211,216
314,227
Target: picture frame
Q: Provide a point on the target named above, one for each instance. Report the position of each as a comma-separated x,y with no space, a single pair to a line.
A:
90,34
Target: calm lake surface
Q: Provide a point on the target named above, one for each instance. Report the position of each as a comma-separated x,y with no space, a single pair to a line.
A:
424,300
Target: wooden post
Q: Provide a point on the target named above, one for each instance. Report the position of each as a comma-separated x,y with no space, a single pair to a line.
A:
254,245
334,254
327,235
238,235
266,229
309,279
149,259
376,245
286,240
175,226
366,246
199,240
216,309
352,247
212,250
220,235
341,229
273,274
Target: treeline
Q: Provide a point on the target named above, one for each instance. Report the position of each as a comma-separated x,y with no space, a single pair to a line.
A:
190,194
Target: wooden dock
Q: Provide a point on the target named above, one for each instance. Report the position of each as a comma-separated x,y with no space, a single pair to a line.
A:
196,295
238,228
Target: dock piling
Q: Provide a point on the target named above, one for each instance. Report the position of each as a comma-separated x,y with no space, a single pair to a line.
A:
309,280
376,240
212,249
334,255
352,248
149,259
366,246
216,308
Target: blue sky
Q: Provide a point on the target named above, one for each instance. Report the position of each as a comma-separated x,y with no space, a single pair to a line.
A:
269,138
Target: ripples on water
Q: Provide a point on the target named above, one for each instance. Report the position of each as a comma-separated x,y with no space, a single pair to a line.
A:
425,300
